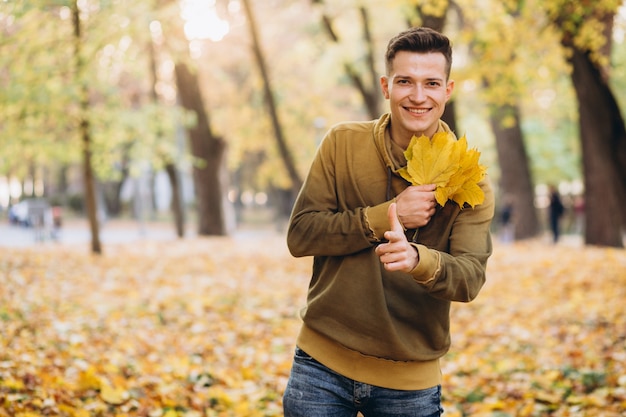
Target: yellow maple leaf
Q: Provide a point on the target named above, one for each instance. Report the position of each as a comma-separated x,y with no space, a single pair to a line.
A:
113,395
430,161
448,164
88,379
469,193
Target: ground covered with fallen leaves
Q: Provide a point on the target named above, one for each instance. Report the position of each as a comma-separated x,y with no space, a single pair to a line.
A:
206,327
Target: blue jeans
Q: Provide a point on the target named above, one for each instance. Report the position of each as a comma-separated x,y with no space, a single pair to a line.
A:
314,390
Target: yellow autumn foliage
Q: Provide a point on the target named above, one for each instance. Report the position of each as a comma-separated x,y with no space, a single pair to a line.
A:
447,163
113,395
206,327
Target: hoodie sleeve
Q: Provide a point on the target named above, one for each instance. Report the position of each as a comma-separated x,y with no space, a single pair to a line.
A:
319,225
459,273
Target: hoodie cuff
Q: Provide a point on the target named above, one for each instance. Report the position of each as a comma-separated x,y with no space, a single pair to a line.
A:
428,267
377,221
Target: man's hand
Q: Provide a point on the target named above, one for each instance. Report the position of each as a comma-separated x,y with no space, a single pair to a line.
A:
397,254
416,205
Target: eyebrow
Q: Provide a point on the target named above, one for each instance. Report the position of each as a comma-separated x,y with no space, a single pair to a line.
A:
408,77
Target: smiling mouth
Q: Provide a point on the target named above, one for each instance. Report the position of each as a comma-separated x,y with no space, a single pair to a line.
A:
418,111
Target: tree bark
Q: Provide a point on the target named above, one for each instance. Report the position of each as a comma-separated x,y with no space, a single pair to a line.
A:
285,152
516,183
374,94
602,129
85,135
208,151
369,90
111,190
178,211
177,199
603,138
515,177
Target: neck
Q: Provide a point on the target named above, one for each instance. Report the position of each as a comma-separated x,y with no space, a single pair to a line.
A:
398,139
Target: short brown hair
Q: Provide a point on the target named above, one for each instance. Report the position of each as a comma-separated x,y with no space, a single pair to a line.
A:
422,40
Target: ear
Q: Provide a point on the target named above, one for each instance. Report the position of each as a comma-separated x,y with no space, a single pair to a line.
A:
384,86
449,89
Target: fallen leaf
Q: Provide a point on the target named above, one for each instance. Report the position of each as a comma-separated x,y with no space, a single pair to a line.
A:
207,327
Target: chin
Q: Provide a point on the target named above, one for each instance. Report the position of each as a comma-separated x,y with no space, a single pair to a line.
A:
419,131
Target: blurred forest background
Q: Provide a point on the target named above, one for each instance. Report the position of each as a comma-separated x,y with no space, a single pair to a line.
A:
209,112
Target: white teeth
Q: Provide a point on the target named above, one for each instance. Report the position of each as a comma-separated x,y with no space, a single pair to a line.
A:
418,111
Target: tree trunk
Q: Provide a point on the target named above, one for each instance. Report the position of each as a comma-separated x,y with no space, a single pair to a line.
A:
516,183
208,151
178,211
369,90
84,131
603,138
177,206
62,183
515,178
373,96
111,190
285,152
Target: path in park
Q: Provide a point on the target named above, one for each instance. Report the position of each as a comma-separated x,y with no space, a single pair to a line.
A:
75,232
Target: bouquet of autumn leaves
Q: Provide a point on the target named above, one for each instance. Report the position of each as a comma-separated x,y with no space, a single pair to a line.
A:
447,163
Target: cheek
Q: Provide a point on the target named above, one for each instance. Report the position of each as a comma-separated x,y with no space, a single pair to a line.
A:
442,97
395,95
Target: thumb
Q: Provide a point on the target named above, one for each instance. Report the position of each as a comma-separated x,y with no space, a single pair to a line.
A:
394,222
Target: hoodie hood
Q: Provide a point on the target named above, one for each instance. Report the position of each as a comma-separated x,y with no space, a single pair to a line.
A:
381,138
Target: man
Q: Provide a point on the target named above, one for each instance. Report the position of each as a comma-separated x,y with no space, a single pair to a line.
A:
388,261
556,209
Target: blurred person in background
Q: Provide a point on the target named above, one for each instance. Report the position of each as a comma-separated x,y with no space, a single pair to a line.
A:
555,212
507,234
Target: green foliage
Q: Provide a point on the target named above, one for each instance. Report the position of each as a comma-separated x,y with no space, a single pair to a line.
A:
515,55
435,8
509,46
554,154
582,24
39,93
618,61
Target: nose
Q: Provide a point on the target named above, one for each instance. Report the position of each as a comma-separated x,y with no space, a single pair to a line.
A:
418,93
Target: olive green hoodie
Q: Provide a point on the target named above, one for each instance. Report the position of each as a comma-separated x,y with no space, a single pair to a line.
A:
383,328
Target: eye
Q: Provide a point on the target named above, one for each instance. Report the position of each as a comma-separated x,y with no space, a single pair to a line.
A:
434,84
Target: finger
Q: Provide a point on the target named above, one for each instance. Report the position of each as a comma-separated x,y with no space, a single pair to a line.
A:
391,257
394,222
427,187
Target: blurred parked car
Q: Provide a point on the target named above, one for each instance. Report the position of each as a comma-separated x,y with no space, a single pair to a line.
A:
32,212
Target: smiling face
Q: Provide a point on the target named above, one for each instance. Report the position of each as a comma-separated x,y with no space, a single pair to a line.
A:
417,88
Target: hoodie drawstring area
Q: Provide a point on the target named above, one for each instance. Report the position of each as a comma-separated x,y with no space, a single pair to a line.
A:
388,194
